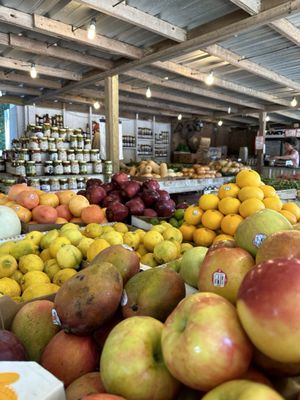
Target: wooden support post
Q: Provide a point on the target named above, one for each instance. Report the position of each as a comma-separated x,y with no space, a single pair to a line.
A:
112,120
90,123
261,133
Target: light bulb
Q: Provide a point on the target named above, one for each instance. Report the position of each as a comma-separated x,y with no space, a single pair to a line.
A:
229,110
1,94
166,78
267,118
148,93
33,72
294,102
96,105
179,117
220,122
92,30
210,79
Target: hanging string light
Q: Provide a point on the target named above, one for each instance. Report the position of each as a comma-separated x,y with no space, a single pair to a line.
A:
179,117
96,105
220,122
267,118
229,110
91,33
294,102
210,79
148,93
33,71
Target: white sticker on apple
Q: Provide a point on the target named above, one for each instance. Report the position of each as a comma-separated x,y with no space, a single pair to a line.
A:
55,317
258,239
127,247
219,278
124,298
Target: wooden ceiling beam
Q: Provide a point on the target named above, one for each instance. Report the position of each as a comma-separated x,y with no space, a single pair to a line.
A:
38,82
18,89
137,17
11,100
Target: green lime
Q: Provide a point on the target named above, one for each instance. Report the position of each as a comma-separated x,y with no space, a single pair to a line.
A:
173,221
179,214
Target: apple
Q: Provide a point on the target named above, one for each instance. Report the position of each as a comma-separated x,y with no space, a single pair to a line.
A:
136,206
132,364
256,376
203,342
95,194
151,184
102,396
241,389
223,271
117,212
87,384
267,308
275,368
190,264
149,197
11,349
119,178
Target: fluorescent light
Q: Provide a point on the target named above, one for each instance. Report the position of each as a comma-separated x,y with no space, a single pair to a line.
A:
33,72
267,118
148,93
92,30
220,122
229,110
210,79
96,105
179,117
294,102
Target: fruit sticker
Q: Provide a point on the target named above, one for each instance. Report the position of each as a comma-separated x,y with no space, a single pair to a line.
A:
258,239
7,378
219,278
55,317
124,298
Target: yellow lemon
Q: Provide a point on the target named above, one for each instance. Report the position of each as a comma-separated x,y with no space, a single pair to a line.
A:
48,238
69,225
132,239
151,239
22,248
248,177
293,208
69,256
165,251
45,254
107,228
141,250
274,203
8,265
74,236
43,289
96,247
149,260
57,244
31,262
120,227
268,190
173,234
34,278
158,228
51,267
84,244
63,275
209,201
112,237
35,236
17,276
251,192
93,230
141,233
6,248
185,247
289,216
9,287
250,206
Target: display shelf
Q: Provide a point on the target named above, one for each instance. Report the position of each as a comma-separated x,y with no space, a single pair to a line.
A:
191,185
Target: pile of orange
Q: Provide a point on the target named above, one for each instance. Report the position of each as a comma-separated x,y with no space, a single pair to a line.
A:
217,216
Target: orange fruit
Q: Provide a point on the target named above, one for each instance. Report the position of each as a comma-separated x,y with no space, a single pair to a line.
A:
92,213
293,208
250,192
65,196
77,204
203,237
274,203
28,199
250,206
187,232
212,219
268,190
49,199
16,189
23,213
228,190
192,215
222,237
248,177
60,220
229,205
230,223
209,202
289,216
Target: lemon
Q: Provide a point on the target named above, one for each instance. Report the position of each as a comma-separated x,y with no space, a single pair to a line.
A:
31,262
96,247
166,224
17,299
132,239
51,267
17,276
149,260
69,256
74,236
173,234
8,265
185,247
151,239
158,228
45,255
141,250
6,248
48,238
84,244
9,287
57,244
138,254
120,227
93,230
22,248
43,289
165,251
34,278
113,237
35,236
69,225
63,275
141,233
107,228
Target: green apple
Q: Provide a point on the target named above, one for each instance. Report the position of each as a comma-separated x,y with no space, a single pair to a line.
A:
240,389
132,363
191,263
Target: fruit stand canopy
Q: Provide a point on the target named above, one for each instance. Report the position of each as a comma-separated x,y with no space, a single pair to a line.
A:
251,47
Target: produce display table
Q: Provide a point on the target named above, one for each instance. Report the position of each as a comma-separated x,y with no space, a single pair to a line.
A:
192,185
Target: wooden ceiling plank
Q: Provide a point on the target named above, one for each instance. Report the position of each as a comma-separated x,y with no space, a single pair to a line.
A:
18,89
39,82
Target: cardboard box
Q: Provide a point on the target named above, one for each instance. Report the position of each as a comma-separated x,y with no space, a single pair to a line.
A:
41,227
185,158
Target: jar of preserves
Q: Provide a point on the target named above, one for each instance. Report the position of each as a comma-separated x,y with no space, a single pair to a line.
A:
20,168
80,142
31,129
47,129
45,184
59,143
108,168
24,154
80,183
63,184
75,167
73,142
39,131
54,132
34,143
62,155
35,183
69,134
67,167
48,168
77,131
72,183
79,155
54,184
58,167
62,133
53,155
95,155
36,155
97,167
51,144
30,168
88,144
86,155
71,155
43,143
82,167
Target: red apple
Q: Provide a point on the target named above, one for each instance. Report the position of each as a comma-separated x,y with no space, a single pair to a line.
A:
203,342
93,182
11,349
108,187
163,195
267,307
256,376
102,396
275,368
85,385
165,208
132,364
68,356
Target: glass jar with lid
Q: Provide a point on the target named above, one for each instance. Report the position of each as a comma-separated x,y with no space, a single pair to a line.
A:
77,131
45,184
82,167
30,168
62,133
48,168
71,154
88,144
36,155
75,167
51,143
97,167
24,155
80,142
67,167
95,155
69,133
39,131
62,155
53,155
43,143
63,183
73,142
59,144
108,170
86,155
35,183
54,184
47,129
34,143
20,168
54,132
58,167
31,129
7,184
72,183
79,155
80,183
